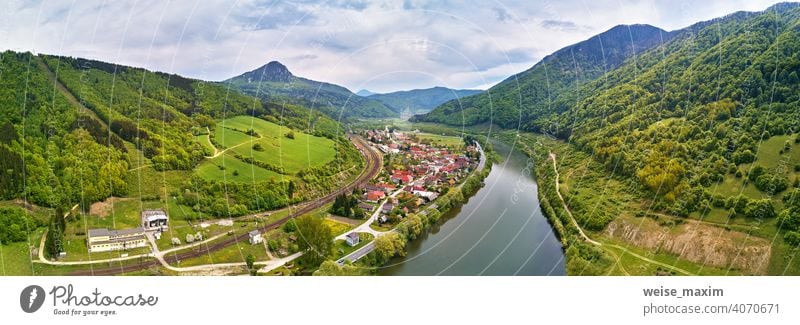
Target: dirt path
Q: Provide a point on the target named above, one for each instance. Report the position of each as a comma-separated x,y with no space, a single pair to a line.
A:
218,152
580,230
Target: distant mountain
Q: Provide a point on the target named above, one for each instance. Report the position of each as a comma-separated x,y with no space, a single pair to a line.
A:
273,82
365,93
531,92
422,100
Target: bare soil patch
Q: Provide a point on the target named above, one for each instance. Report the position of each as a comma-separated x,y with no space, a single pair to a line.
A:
103,209
696,242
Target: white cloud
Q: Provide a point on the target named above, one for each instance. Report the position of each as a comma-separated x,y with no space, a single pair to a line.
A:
378,45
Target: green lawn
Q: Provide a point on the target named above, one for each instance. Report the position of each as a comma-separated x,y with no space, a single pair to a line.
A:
15,258
302,152
342,249
231,254
223,168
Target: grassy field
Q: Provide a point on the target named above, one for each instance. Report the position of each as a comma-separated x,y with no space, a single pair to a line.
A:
231,254
337,228
770,157
15,257
227,168
293,155
455,143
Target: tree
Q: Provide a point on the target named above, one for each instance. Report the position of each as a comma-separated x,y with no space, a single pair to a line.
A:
258,147
331,268
290,189
290,135
759,209
250,260
315,239
388,246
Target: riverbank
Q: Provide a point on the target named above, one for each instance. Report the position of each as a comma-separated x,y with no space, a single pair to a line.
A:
498,230
607,227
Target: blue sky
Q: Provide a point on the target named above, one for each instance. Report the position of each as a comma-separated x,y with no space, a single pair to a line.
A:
378,45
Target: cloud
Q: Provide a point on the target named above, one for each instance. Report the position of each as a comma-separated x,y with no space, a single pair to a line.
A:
559,25
382,45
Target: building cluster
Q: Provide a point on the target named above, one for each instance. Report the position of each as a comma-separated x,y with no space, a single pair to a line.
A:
421,171
105,240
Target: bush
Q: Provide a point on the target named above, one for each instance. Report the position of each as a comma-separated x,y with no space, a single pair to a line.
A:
759,209
290,135
792,238
258,147
771,183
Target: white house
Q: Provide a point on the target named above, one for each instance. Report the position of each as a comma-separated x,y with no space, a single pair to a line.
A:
255,237
154,220
352,239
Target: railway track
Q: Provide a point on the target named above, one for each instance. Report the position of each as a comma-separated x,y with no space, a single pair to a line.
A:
373,163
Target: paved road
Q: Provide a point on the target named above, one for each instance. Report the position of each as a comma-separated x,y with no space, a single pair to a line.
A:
374,161
359,253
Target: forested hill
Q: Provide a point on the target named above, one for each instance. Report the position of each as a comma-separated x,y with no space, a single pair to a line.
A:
421,100
274,82
690,115
560,74
56,112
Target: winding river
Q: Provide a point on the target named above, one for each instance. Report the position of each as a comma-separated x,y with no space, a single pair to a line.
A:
499,231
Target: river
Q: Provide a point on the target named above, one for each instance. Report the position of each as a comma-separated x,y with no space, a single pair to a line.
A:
499,231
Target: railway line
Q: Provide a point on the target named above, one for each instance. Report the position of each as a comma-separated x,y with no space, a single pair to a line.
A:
373,162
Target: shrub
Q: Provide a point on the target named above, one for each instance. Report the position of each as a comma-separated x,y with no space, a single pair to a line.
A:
792,238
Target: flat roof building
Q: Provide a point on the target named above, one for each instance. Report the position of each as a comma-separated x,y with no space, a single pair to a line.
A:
104,240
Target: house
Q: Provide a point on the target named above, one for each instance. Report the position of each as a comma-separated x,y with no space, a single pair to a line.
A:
154,220
255,237
430,196
387,208
366,207
375,196
104,240
352,239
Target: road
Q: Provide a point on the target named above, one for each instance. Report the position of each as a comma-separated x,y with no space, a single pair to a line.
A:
373,160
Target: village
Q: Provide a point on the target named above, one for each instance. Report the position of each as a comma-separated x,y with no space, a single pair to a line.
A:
418,169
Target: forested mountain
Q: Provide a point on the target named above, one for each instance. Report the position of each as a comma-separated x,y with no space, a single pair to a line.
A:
561,74
680,118
421,100
364,93
66,124
274,82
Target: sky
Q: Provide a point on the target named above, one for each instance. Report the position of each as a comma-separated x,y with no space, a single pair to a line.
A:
382,46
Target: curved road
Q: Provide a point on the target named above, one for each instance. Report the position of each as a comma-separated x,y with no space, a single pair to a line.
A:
374,161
